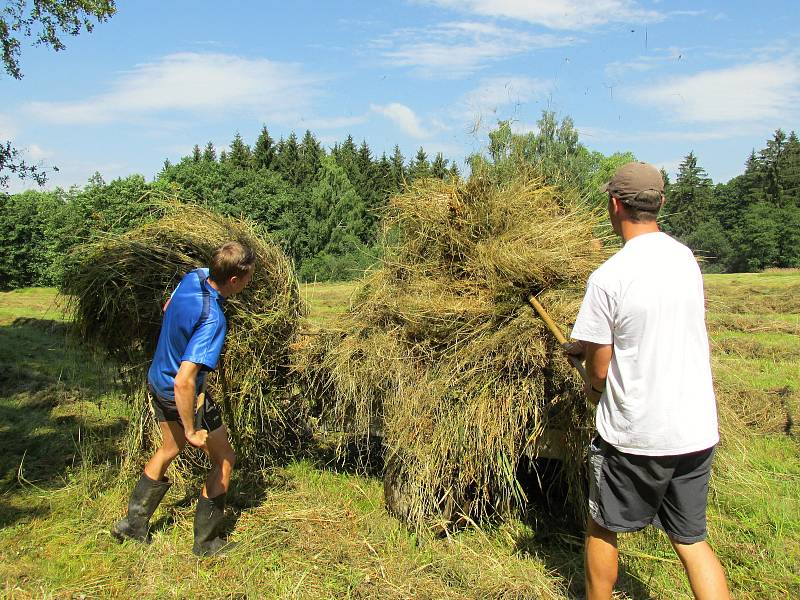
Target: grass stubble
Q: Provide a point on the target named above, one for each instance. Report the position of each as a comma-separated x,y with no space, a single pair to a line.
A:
307,531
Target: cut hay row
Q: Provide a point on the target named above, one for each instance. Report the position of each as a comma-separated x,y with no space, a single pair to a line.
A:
442,356
119,284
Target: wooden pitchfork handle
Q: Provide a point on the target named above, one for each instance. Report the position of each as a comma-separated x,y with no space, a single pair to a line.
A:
559,336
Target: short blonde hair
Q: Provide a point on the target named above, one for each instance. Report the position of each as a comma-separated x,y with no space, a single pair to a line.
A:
232,259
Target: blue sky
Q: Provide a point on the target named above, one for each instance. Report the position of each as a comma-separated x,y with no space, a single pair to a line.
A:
657,78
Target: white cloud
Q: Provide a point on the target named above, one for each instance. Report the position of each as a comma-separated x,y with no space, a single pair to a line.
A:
617,70
687,13
597,134
7,128
671,166
755,92
37,153
440,125
192,82
557,14
403,117
494,93
452,50
332,122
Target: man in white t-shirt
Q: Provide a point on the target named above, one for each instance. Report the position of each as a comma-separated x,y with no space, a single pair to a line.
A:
641,329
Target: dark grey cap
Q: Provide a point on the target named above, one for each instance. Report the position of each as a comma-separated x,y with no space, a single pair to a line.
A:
630,180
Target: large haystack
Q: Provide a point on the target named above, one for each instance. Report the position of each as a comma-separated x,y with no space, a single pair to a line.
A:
119,285
441,354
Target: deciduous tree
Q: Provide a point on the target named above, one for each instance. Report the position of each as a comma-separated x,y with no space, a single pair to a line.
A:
46,21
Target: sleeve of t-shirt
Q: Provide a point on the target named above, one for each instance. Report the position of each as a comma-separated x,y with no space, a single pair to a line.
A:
205,345
595,322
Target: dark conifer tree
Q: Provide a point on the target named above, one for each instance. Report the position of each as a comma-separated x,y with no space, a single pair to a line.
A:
439,166
753,178
383,175
197,154
688,203
310,156
398,169
347,157
790,171
264,150
453,172
365,170
419,167
210,154
772,159
369,187
287,159
239,156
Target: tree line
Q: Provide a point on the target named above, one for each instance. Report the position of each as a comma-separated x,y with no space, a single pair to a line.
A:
324,205
750,223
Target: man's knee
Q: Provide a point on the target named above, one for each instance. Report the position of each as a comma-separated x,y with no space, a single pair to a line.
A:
230,458
688,551
170,452
225,458
595,530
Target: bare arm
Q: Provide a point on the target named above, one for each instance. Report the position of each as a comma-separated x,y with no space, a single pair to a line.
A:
185,392
597,357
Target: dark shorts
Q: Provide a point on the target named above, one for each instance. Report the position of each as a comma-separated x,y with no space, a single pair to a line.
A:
629,491
207,417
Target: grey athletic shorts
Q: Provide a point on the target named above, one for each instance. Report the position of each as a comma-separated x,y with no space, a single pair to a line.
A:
207,417
629,491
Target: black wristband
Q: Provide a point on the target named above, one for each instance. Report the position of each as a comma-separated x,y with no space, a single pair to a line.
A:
596,391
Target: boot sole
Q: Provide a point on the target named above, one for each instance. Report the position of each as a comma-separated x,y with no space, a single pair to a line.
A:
121,537
220,552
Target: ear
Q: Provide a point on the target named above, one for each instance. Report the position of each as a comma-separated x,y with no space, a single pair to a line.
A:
617,205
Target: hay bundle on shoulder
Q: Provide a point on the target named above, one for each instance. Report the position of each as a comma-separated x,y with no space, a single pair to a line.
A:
119,284
442,355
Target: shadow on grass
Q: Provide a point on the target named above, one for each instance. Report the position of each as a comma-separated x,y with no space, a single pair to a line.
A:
247,491
50,402
557,539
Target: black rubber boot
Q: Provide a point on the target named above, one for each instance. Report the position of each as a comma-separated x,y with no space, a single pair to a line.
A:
207,521
142,504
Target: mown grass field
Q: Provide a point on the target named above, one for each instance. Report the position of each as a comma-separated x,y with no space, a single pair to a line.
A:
308,530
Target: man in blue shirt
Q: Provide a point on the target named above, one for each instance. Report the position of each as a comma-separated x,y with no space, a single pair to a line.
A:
189,346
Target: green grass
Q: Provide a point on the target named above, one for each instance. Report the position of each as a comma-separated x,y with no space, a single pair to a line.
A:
307,530
34,303
326,300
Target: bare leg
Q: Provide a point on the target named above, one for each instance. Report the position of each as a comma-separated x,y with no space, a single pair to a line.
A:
223,458
703,570
172,442
600,561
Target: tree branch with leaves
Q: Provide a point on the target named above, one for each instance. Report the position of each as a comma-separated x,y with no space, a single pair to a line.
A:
47,22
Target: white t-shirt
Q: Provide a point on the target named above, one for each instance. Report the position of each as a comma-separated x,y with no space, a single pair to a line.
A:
647,301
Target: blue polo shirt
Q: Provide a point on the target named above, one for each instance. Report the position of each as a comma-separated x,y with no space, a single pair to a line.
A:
193,329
